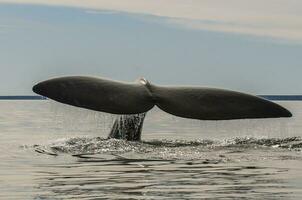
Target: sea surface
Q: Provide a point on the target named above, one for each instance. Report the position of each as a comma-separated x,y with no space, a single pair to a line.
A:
53,151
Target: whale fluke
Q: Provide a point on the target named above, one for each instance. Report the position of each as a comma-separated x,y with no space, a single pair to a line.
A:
214,104
134,98
97,94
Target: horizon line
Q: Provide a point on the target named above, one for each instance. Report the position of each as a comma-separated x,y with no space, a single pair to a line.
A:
38,97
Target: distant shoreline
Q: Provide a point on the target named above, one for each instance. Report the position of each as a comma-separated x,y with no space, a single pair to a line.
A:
282,97
22,97
269,97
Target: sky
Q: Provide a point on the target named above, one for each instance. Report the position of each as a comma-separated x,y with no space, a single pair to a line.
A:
250,46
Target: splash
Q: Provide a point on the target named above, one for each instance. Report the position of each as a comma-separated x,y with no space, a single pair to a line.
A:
233,149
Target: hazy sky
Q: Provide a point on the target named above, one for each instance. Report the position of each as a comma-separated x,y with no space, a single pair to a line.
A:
252,46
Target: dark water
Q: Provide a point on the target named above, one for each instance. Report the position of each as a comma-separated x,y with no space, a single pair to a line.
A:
50,151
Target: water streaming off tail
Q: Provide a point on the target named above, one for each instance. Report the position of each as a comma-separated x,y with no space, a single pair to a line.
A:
74,120
128,127
159,125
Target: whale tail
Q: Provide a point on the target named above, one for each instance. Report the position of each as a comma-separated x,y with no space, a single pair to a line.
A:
134,98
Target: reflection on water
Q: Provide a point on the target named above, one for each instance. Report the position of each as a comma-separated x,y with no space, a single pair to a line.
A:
48,154
124,179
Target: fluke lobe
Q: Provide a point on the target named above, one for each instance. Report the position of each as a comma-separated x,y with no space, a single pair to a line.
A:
135,99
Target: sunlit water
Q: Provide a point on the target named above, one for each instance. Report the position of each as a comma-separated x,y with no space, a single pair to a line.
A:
52,151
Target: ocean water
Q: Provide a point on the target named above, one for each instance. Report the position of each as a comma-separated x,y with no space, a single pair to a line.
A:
53,151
